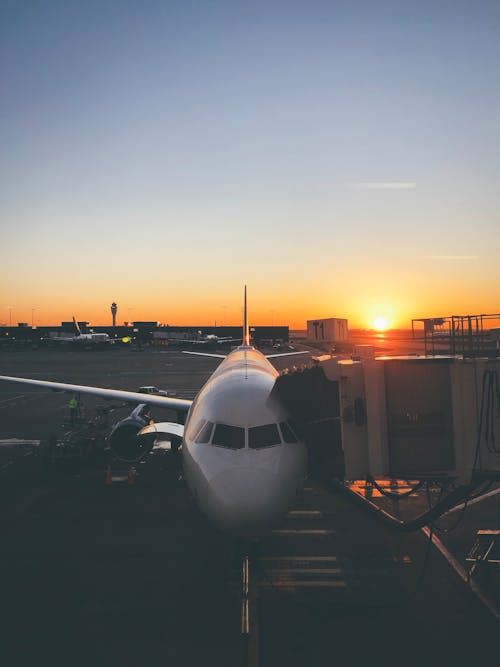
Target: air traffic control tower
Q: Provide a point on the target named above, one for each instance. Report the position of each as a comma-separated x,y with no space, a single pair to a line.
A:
114,309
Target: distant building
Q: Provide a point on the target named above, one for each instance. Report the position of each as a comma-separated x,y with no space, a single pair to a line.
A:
146,325
328,330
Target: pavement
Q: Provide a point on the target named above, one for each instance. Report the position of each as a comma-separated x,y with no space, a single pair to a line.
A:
134,575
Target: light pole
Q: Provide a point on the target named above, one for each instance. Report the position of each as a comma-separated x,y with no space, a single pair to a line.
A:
10,314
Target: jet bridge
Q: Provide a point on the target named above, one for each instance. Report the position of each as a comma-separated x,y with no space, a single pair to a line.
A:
312,399
427,418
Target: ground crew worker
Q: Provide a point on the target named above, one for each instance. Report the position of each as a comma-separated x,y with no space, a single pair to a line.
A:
73,407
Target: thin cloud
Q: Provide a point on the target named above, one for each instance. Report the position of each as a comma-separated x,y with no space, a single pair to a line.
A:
451,257
388,185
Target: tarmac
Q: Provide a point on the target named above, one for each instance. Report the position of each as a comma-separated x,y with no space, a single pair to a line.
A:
134,574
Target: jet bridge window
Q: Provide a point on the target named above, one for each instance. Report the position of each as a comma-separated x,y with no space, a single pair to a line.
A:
229,436
287,432
205,433
263,436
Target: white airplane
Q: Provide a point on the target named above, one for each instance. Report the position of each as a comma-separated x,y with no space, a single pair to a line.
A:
213,339
242,459
206,339
79,338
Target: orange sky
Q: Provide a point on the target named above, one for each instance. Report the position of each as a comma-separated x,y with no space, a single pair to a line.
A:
360,301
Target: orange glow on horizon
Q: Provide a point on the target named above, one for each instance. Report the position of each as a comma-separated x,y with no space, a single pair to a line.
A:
205,305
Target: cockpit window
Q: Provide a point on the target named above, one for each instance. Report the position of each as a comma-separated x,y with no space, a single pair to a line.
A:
193,428
287,433
205,433
229,436
263,436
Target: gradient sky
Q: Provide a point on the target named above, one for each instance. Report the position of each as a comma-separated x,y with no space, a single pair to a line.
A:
341,158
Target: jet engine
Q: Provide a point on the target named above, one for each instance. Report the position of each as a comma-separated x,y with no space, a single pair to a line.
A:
124,440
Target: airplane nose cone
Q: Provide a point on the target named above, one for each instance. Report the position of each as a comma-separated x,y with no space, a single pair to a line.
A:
247,501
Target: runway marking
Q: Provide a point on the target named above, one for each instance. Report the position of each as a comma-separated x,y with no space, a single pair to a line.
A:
462,573
9,463
304,584
303,570
9,442
303,531
300,559
294,514
13,398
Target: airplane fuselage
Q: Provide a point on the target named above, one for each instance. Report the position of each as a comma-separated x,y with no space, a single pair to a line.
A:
93,338
81,339
241,458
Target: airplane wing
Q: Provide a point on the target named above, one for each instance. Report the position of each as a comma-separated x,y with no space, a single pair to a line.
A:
223,356
118,394
285,354
205,354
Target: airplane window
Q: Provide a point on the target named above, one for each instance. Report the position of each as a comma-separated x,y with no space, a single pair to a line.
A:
287,433
263,436
229,436
194,428
205,433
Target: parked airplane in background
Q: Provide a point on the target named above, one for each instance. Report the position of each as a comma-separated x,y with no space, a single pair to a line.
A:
213,339
86,339
208,340
242,458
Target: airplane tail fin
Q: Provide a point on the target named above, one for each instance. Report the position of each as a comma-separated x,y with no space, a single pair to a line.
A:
77,328
246,333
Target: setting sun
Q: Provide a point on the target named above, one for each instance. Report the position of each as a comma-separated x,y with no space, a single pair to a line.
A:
380,323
